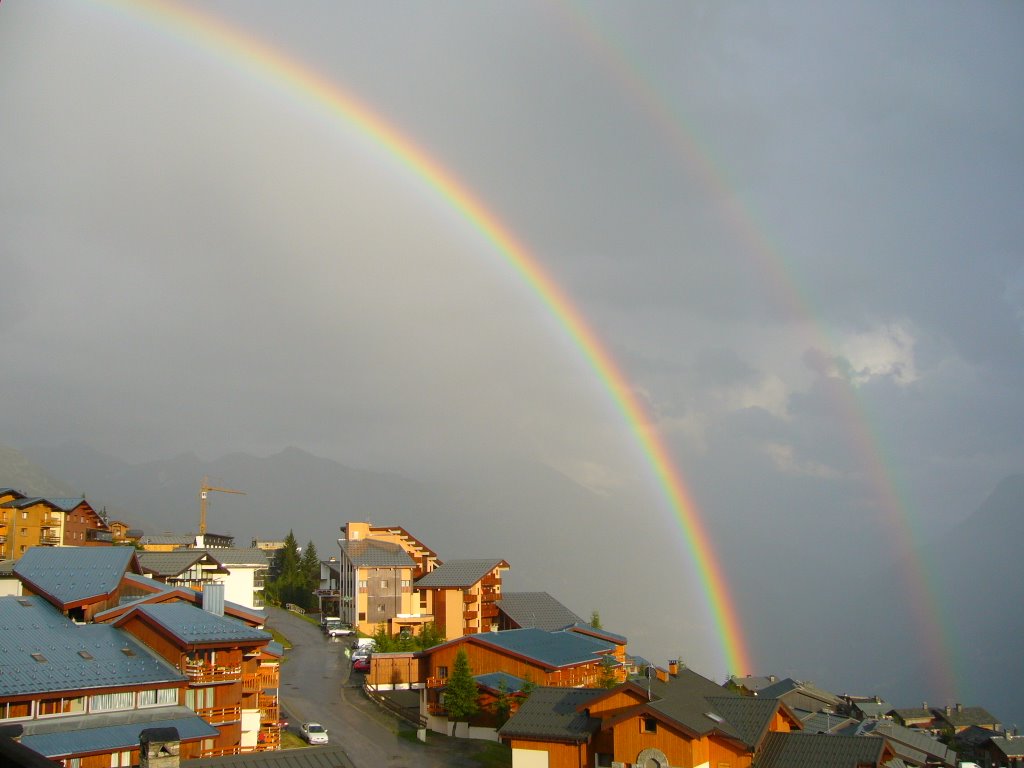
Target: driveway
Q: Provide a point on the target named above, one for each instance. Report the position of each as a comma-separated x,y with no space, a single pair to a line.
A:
316,685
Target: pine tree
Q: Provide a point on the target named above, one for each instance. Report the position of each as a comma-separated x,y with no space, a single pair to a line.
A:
595,620
460,694
309,575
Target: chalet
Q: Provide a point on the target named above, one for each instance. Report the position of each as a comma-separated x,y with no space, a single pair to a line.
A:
464,595
192,568
956,718
802,695
224,668
680,719
83,527
922,717
788,750
83,693
911,745
1006,750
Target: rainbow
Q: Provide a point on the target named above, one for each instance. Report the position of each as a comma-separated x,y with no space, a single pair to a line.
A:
936,631
299,81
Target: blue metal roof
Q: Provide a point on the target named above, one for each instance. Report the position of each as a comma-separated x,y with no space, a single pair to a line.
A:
73,574
194,625
493,681
69,656
555,649
120,731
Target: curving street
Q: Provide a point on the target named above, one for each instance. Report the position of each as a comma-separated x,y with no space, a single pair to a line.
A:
316,685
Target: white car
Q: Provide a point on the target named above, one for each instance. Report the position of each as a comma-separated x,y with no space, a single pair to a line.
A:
314,733
340,631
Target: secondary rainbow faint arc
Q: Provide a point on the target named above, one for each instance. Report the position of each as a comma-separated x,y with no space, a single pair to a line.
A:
236,46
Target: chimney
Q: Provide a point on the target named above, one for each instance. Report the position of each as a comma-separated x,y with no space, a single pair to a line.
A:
662,674
213,598
673,667
948,710
771,679
959,707
159,748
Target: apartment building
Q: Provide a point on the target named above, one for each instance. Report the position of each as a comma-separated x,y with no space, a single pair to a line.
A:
464,595
376,571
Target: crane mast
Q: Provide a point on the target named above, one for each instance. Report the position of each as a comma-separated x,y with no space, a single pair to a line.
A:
204,489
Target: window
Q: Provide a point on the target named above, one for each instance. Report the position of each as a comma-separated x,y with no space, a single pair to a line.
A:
15,710
442,672
383,583
61,706
604,759
648,725
158,697
110,702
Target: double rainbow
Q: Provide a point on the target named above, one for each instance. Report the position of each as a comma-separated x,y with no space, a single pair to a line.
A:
276,68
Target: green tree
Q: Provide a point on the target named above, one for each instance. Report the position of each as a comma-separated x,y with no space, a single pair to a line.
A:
460,695
382,641
503,705
606,678
595,620
429,636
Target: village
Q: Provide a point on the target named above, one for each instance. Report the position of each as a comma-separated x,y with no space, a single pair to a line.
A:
121,648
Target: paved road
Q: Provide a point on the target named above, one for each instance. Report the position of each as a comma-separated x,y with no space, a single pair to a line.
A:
315,685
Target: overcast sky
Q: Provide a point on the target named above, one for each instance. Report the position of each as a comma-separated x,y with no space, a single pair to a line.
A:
797,227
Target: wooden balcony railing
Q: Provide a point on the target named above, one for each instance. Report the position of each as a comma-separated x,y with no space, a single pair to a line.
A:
270,710
265,677
436,708
50,539
220,715
437,682
468,598
203,673
469,615
489,611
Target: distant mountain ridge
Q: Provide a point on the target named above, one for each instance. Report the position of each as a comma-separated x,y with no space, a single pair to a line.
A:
18,472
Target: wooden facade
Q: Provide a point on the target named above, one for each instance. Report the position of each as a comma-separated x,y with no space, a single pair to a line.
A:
28,523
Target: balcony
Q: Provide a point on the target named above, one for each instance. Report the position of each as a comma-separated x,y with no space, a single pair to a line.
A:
490,611
220,715
270,710
268,677
94,534
48,539
470,615
203,673
467,598
437,682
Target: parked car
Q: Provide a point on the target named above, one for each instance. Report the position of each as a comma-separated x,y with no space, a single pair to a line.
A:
339,630
361,664
314,733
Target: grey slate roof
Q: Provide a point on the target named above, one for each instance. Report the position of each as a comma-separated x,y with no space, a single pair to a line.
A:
195,626
30,625
687,698
824,722
553,649
748,716
961,717
371,553
157,591
803,750
587,629
781,688
311,757
909,743
553,713
458,573
1011,747
64,736
170,563
74,574
536,609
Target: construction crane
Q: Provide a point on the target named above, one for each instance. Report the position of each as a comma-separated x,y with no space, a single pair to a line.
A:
204,489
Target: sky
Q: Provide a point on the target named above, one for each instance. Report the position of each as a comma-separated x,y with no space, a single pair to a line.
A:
794,227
